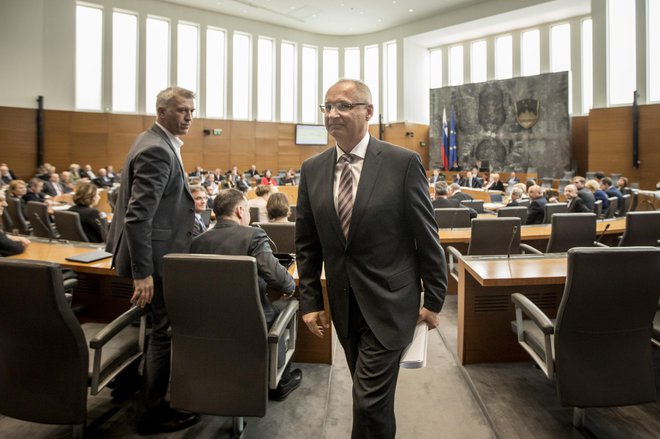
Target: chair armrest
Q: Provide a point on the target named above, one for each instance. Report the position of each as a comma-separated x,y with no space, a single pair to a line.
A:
600,244
531,310
282,321
114,327
454,255
529,249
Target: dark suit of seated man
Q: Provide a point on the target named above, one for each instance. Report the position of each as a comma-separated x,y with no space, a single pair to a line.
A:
442,201
233,236
575,203
536,210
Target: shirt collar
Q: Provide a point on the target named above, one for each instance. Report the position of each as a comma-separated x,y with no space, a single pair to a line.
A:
360,149
176,142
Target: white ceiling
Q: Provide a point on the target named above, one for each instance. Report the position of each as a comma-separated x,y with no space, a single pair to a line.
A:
338,17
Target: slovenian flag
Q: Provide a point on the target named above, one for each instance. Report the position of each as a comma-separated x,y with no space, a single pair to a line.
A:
453,153
445,141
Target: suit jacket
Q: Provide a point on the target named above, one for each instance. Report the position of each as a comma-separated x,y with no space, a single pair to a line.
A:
154,213
230,238
536,211
392,243
9,247
88,219
33,196
588,197
49,188
102,182
577,205
441,203
461,196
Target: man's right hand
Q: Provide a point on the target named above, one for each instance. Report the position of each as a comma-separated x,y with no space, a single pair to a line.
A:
143,292
317,322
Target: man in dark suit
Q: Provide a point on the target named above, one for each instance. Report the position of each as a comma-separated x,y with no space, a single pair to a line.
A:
585,194
35,191
201,201
154,216
364,213
455,193
53,187
575,203
442,201
536,209
612,191
233,236
102,180
516,195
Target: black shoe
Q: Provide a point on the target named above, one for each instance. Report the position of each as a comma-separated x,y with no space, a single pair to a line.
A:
284,388
174,420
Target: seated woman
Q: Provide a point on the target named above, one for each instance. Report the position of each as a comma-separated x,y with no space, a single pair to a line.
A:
290,178
268,179
278,208
10,245
622,185
18,188
85,198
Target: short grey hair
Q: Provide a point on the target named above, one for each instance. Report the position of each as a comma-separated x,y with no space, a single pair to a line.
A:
360,86
441,188
518,191
165,97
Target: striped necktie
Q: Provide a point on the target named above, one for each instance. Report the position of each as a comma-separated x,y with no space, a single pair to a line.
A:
345,193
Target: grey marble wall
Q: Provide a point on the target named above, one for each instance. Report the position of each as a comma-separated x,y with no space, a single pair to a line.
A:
487,127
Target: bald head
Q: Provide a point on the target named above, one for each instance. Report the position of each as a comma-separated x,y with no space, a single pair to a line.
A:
535,192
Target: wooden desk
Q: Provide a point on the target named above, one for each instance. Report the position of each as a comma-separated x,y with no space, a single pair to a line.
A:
291,193
485,310
106,295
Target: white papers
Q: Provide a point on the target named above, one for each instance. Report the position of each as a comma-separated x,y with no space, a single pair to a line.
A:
414,355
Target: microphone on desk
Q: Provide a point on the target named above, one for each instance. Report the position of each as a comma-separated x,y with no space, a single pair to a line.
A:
51,236
513,236
607,226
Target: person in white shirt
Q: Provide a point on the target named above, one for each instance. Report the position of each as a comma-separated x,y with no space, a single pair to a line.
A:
260,201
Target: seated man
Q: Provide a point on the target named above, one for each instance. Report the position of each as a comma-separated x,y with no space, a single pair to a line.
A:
536,211
201,200
575,203
455,192
516,194
585,194
233,236
442,201
102,180
612,191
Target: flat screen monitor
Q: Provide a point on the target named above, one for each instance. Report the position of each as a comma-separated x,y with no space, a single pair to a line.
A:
311,135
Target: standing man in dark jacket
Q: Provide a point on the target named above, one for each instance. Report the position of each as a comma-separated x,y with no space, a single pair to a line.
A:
154,215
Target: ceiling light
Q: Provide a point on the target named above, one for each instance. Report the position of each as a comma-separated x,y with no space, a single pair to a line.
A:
410,10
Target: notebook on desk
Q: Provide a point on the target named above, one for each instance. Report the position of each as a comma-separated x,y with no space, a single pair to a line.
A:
89,257
414,355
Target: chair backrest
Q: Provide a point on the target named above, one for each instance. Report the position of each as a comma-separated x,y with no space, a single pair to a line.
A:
452,217
219,340
69,226
590,175
494,236
495,196
627,203
292,213
254,215
635,200
612,207
37,213
513,211
7,223
642,228
614,176
477,205
525,203
551,208
43,351
571,230
16,212
282,234
603,353
598,208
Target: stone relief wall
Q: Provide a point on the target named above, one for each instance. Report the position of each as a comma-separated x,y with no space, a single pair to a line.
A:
513,123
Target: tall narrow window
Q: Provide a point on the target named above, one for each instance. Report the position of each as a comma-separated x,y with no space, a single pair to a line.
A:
215,72
435,66
157,60
266,76
371,76
587,67
89,56
241,76
390,86
288,81
456,65
531,53
330,67
124,62
310,85
653,49
504,57
560,48
478,63
621,57
188,56
352,63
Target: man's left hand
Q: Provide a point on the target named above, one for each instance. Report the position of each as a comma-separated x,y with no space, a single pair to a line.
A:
431,318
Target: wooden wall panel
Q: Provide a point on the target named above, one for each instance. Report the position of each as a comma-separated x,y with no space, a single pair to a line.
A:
18,140
610,143
580,142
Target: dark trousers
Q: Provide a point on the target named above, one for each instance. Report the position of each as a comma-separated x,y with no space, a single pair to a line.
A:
375,371
156,374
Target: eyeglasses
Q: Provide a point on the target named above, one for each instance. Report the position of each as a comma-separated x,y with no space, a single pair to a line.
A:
201,198
342,107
